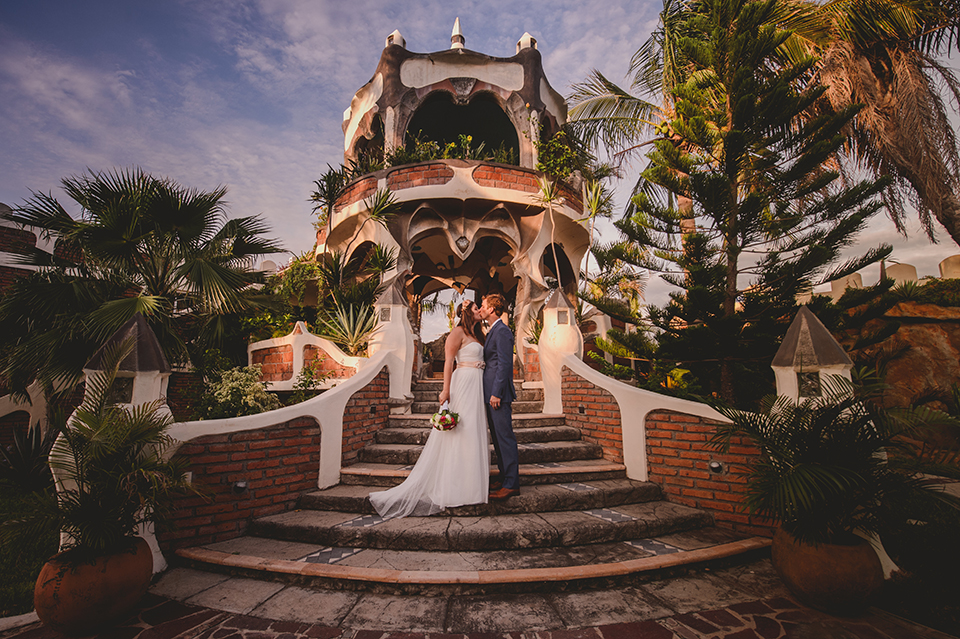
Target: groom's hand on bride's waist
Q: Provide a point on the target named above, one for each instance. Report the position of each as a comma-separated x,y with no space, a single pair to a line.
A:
494,402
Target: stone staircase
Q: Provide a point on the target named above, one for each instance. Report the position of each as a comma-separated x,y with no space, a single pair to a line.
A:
579,521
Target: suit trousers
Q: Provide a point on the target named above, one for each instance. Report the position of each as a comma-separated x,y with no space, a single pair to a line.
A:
505,444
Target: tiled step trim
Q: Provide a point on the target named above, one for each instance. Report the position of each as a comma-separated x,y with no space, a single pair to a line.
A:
261,565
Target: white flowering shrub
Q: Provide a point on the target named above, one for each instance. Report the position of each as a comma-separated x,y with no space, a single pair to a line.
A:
239,391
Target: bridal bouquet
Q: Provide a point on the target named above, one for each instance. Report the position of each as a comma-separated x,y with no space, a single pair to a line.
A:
444,419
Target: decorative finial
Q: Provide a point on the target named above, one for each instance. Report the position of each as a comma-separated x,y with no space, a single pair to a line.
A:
395,38
526,41
456,38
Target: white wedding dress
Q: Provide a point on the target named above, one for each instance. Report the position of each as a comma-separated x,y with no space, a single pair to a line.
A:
454,467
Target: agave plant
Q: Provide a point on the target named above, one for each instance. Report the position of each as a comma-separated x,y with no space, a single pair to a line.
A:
110,469
24,463
348,326
831,465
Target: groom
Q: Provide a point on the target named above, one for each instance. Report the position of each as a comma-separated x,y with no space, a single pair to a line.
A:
498,393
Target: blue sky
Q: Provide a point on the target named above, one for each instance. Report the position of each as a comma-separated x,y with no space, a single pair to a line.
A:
250,93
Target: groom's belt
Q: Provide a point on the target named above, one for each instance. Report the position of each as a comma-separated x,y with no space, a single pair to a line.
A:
471,364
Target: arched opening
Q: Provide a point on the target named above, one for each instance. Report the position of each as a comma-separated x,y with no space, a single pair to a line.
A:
562,271
369,151
439,119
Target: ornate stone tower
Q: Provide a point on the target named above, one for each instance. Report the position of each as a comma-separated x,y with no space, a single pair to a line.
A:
463,224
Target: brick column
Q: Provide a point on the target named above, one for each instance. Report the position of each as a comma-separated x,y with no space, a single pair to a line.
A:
595,412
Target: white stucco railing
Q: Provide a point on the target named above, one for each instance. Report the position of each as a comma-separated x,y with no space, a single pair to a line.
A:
299,338
327,409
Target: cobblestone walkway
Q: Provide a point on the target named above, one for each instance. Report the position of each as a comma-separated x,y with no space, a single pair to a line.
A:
160,618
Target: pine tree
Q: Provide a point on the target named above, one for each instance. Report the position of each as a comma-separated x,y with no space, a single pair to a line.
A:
770,217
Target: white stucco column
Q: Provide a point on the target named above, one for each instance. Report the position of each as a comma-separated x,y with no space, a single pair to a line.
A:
559,337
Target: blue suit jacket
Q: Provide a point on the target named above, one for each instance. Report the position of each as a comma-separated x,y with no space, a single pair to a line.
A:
498,356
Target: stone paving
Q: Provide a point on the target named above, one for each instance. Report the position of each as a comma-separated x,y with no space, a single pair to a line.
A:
745,602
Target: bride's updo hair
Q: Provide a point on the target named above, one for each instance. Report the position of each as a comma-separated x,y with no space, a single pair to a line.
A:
469,323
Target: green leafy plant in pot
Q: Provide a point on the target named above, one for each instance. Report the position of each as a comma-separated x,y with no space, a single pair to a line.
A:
111,477
829,467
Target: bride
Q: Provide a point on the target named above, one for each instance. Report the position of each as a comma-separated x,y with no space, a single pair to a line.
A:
454,467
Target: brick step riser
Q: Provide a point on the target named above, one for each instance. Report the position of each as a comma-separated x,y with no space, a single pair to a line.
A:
466,589
376,455
381,481
524,435
528,395
423,421
525,408
515,505
581,534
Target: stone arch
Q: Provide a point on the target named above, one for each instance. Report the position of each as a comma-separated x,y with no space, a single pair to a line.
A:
442,118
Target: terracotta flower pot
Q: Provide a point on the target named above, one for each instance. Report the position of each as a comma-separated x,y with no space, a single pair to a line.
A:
77,598
830,577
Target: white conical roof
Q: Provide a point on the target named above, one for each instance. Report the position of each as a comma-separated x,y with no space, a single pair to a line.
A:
808,344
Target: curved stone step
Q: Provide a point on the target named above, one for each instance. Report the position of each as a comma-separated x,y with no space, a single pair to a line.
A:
530,453
532,499
487,572
523,394
530,474
524,435
496,532
432,406
521,420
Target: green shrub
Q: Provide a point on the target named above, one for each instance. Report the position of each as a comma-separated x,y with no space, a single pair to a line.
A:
237,392
308,380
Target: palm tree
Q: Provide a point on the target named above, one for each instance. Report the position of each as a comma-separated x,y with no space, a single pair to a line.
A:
881,54
140,244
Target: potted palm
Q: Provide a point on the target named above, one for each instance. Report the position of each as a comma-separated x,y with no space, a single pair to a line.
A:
830,467
111,478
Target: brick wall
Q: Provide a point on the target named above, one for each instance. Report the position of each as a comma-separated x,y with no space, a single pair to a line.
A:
572,197
329,365
504,178
357,191
594,411
9,275
366,413
276,363
16,422
184,391
532,365
278,463
678,456
419,175
16,240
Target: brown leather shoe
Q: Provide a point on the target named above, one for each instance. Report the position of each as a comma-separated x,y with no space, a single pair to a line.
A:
495,486
503,493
